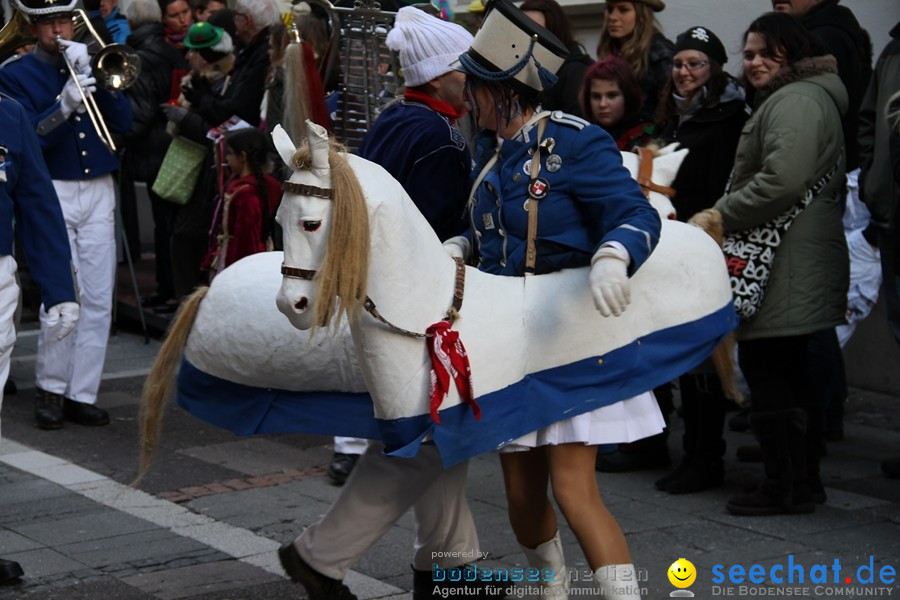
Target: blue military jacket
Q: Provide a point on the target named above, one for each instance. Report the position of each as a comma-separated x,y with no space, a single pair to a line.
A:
590,200
71,146
27,194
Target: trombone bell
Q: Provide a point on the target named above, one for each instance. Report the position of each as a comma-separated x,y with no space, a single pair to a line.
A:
116,67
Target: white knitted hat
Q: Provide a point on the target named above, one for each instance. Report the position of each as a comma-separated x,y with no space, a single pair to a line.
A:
427,45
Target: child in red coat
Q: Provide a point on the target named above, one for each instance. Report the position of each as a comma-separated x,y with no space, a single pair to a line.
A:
245,217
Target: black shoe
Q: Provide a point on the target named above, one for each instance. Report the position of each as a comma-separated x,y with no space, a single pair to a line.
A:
10,572
768,499
318,586
624,462
9,388
700,476
663,483
749,453
424,583
891,467
740,421
84,414
341,466
48,409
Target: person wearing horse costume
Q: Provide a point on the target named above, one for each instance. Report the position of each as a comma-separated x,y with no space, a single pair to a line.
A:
68,371
27,196
415,139
556,196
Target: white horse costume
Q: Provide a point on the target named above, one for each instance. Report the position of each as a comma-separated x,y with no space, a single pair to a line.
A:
244,370
539,350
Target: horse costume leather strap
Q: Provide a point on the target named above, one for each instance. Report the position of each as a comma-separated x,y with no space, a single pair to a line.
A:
307,190
645,172
452,312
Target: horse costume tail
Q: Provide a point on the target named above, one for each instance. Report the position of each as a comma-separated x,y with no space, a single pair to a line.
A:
158,387
710,221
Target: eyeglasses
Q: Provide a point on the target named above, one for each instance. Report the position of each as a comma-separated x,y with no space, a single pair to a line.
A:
691,65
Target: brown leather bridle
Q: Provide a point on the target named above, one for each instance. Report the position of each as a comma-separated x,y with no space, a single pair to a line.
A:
369,304
645,172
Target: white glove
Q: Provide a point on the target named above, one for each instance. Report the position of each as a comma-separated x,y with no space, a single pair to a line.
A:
70,98
65,314
77,53
458,246
609,280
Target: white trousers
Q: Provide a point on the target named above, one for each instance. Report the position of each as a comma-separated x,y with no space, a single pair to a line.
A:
377,493
9,299
350,445
73,366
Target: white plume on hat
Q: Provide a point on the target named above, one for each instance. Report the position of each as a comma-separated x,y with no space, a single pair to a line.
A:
427,45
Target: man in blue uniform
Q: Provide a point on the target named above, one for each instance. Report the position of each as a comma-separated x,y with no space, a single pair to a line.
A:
68,371
27,195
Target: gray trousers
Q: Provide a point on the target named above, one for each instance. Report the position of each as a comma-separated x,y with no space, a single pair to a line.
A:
377,493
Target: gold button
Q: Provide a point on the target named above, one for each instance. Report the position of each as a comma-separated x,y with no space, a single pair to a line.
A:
77,119
81,135
599,361
84,152
87,171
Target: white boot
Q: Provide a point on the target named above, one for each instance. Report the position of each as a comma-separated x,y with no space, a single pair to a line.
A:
618,581
549,555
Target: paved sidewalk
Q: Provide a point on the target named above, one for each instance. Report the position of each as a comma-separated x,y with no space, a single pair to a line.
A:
214,507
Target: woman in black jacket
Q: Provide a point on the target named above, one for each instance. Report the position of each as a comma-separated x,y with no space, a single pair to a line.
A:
703,108
147,142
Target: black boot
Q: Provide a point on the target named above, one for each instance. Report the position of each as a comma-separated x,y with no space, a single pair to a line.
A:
318,586
782,438
10,572
48,409
704,406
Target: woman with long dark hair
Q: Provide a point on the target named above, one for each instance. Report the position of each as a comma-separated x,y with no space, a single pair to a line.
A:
789,164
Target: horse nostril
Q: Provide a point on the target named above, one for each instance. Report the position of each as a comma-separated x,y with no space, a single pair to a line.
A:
672,217
300,304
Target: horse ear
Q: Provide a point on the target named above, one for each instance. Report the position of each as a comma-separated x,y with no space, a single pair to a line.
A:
284,145
318,145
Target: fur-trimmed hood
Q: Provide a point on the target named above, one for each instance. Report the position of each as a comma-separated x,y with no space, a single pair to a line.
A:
820,70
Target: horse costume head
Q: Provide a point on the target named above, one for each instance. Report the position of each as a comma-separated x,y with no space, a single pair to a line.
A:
655,170
325,263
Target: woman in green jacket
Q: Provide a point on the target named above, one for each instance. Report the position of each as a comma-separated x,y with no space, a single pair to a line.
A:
791,149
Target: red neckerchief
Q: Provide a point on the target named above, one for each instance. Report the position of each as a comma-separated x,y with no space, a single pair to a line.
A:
438,106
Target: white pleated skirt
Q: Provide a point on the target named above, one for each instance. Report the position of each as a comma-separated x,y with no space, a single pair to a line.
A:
626,421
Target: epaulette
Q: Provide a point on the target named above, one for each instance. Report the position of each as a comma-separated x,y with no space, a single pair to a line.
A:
562,118
11,60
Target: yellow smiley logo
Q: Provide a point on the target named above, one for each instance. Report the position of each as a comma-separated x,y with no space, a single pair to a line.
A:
682,573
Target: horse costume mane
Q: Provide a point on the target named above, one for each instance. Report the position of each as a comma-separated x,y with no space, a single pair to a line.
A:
341,281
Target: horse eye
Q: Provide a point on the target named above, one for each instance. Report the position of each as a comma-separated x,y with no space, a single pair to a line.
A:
311,225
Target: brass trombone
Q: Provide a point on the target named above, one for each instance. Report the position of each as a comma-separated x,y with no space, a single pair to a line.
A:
115,67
